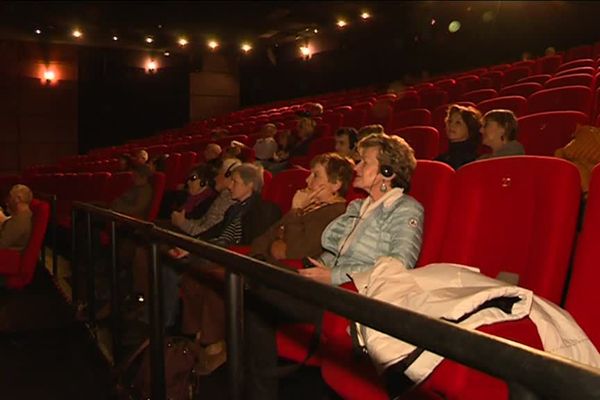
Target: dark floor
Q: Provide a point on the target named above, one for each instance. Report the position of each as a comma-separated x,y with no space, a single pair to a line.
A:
46,354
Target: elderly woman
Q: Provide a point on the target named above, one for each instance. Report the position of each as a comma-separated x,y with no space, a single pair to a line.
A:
295,236
499,131
462,130
298,233
388,223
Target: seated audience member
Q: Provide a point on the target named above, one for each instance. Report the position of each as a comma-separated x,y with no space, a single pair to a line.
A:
345,143
211,152
15,229
388,223
246,219
218,133
140,157
583,151
158,163
369,129
266,146
286,141
125,163
499,132
314,109
462,130
199,192
135,202
218,207
305,132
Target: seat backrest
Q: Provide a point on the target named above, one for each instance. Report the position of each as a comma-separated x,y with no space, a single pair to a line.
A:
321,145
432,98
414,116
423,139
517,104
284,185
406,100
513,74
29,257
171,170
548,64
515,214
544,133
495,77
579,52
521,89
431,185
158,189
586,62
583,295
577,70
476,96
569,80
566,98
539,78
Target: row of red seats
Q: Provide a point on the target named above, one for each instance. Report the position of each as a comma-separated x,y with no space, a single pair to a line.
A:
514,214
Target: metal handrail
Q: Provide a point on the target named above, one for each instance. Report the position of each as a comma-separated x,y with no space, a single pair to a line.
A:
523,367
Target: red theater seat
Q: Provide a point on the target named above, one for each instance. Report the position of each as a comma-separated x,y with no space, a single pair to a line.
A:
566,98
284,185
583,296
586,62
521,89
517,104
540,78
18,267
423,139
415,116
577,70
497,221
570,80
579,52
548,64
406,100
495,77
544,133
433,98
476,96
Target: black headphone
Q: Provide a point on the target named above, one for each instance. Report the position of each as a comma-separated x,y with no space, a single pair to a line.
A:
386,170
229,170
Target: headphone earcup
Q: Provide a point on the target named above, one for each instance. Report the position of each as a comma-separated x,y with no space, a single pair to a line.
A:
386,171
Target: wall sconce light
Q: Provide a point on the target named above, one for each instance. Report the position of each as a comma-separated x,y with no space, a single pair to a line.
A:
48,77
151,66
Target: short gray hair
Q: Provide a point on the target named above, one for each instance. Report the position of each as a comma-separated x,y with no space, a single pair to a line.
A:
251,173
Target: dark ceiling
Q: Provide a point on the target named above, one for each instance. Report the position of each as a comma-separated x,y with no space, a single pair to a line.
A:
230,21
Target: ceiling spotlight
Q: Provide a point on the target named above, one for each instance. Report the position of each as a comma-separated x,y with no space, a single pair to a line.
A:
433,21
149,39
77,33
213,44
182,41
115,38
38,31
246,47
454,26
365,15
316,30
167,53
341,23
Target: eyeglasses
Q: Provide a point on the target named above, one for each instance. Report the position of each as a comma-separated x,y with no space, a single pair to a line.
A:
192,178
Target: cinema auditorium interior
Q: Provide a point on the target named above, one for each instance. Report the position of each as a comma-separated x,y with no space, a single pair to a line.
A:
299,200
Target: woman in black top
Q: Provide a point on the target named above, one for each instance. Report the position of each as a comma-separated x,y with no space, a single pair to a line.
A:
462,130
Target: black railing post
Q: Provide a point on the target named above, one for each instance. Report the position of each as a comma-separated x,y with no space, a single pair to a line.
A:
234,301
74,266
53,237
91,286
157,335
115,294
